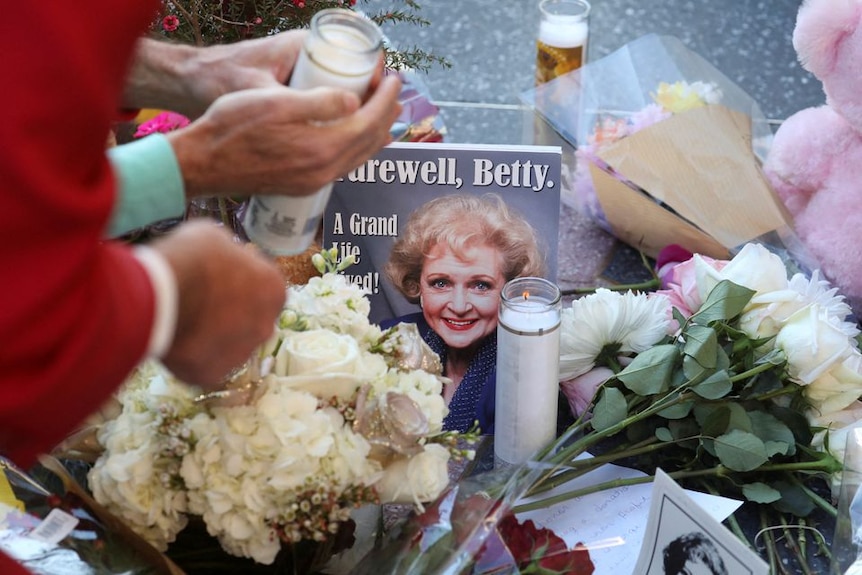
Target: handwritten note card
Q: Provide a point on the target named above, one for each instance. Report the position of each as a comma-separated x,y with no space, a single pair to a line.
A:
611,523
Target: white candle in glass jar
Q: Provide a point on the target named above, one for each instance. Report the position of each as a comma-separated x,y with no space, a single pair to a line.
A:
528,359
338,57
341,51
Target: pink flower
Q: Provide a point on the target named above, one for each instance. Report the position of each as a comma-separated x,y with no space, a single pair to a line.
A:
580,390
162,123
170,23
681,279
669,257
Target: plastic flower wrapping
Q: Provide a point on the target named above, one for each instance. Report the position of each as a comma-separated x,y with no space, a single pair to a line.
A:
665,150
50,525
331,414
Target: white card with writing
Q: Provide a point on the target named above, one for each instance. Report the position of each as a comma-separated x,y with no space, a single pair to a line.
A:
681,537
612,523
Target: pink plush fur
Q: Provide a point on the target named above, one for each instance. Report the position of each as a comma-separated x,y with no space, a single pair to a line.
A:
815,163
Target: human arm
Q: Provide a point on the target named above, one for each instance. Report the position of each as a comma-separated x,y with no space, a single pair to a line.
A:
150,184
283,141
77,312
187,79
261,140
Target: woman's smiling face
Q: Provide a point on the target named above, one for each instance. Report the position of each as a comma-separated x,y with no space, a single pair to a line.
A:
461,295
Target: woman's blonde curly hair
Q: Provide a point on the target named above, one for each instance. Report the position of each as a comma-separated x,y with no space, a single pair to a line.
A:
461,221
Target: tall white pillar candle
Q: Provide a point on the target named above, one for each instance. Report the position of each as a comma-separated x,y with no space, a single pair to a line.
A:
341,51
528,358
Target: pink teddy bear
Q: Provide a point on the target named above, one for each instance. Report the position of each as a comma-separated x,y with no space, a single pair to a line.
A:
815,161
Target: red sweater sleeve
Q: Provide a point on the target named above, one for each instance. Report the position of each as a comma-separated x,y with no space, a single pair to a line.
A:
75,312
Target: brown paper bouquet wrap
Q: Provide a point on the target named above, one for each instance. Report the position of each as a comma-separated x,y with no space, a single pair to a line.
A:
665,150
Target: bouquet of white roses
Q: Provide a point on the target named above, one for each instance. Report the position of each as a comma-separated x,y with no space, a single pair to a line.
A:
736,379
331,414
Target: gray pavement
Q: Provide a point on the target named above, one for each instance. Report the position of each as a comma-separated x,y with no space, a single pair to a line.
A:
491,44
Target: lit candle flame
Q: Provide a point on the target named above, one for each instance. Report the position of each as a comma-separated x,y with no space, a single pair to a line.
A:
526,295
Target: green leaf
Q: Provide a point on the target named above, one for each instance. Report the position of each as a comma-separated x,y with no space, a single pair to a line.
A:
795,421
724,302
739,418
678,411
740,450
651,370
714,418
693,371
775,435
677,315
664,434
793,499
701,344
719,418
683,428
775,357
610,409
760,493
715,386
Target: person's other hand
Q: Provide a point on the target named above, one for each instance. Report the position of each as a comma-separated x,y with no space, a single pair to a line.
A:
283,141
229,299
217,70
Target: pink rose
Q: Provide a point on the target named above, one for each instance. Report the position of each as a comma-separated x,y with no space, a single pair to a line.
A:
680,279
580,390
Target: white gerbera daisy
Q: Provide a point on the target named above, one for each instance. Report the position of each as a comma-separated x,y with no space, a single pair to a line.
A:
609,322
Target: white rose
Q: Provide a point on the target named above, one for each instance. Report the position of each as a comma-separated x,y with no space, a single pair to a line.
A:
767,312
837,388
839,426
756,268
419,478
326,363
315,352
812,343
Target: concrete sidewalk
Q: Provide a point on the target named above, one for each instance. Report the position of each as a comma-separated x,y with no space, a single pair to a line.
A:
491,44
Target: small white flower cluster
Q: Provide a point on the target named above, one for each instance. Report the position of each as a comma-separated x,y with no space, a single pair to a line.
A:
291,462
139,478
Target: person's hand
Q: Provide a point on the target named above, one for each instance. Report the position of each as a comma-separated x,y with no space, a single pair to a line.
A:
283,141
222,69
229,299
187,79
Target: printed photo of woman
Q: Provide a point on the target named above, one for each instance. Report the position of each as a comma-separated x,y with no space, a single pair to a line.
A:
452,258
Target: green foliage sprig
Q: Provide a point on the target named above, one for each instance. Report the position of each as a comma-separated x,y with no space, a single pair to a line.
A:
206,22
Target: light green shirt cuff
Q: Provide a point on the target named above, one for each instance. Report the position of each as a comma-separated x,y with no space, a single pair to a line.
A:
150,184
